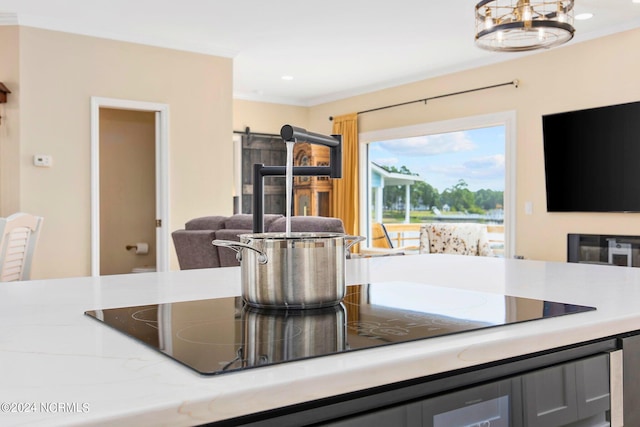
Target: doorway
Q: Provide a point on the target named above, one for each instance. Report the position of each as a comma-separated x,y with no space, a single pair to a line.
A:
129,187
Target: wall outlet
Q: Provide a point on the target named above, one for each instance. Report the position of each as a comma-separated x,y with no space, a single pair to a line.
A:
42,160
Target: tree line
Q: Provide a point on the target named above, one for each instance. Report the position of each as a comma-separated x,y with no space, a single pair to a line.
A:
458,197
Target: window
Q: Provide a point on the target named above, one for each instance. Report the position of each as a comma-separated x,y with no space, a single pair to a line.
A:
454,171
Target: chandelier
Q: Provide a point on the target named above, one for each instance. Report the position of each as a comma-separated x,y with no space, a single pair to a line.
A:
521,25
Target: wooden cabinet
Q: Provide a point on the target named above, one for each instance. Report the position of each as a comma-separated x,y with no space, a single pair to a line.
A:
311,194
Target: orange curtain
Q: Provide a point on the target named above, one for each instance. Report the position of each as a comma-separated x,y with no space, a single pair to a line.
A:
345,202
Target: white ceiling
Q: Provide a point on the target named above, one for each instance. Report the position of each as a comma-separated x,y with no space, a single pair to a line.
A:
332,48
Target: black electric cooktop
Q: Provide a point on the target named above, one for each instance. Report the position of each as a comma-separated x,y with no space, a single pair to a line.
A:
221,335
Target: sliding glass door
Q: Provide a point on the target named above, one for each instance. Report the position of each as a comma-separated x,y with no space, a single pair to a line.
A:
455,171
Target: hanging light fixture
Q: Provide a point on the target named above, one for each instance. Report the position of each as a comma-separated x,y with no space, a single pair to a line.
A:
521,25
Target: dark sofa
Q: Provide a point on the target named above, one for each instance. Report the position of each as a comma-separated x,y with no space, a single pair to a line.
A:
195,250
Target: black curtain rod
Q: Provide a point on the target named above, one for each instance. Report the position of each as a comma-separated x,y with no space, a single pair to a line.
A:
514,83
247,131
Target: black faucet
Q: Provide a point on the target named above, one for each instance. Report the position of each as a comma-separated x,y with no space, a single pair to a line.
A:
291,133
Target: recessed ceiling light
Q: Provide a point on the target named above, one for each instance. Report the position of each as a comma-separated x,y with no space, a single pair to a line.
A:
584,16
287,77
635,1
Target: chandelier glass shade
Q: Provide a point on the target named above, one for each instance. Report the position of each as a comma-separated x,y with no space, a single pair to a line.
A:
521,25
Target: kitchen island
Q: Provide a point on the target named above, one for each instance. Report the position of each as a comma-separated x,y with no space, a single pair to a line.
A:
60,367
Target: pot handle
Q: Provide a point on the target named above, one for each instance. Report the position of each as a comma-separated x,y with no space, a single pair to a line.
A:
238,247
352,240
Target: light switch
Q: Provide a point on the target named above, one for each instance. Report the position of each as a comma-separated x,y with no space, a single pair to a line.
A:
42,160
528,208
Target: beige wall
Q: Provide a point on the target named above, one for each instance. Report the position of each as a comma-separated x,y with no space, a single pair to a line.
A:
10,122
262,117
59,73
579,75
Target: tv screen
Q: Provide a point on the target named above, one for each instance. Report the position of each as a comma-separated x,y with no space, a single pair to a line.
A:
592,159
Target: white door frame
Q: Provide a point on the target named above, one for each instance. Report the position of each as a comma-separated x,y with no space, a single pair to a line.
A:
237,172
505,118
162,175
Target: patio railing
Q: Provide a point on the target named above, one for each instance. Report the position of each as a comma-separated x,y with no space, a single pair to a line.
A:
403,234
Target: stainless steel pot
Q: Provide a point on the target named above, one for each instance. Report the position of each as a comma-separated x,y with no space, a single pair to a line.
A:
273,336
299,270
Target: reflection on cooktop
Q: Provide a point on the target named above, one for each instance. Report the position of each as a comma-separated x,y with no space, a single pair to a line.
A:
222,335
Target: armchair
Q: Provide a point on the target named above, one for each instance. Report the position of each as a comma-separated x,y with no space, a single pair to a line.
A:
195,250
18,237
458,238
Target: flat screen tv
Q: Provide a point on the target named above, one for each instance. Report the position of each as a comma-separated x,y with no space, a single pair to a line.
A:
592,159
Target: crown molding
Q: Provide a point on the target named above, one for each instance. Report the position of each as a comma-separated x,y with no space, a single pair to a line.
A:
8,18
72,27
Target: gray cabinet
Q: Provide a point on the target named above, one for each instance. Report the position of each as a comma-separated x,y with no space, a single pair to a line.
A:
403,416
564,394
570,387
631,383
549,396
574,393
491,403
592,391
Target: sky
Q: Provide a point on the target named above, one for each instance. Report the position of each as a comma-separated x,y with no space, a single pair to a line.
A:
477,156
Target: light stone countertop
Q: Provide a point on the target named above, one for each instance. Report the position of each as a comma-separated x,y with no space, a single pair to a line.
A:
51,353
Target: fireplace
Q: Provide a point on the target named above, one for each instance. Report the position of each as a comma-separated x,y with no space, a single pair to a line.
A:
604,249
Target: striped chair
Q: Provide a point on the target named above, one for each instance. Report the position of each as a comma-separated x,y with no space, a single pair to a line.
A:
455,238
18,237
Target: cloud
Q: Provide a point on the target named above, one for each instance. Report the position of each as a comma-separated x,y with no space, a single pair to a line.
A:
429,145
486,165
387,161
479,172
